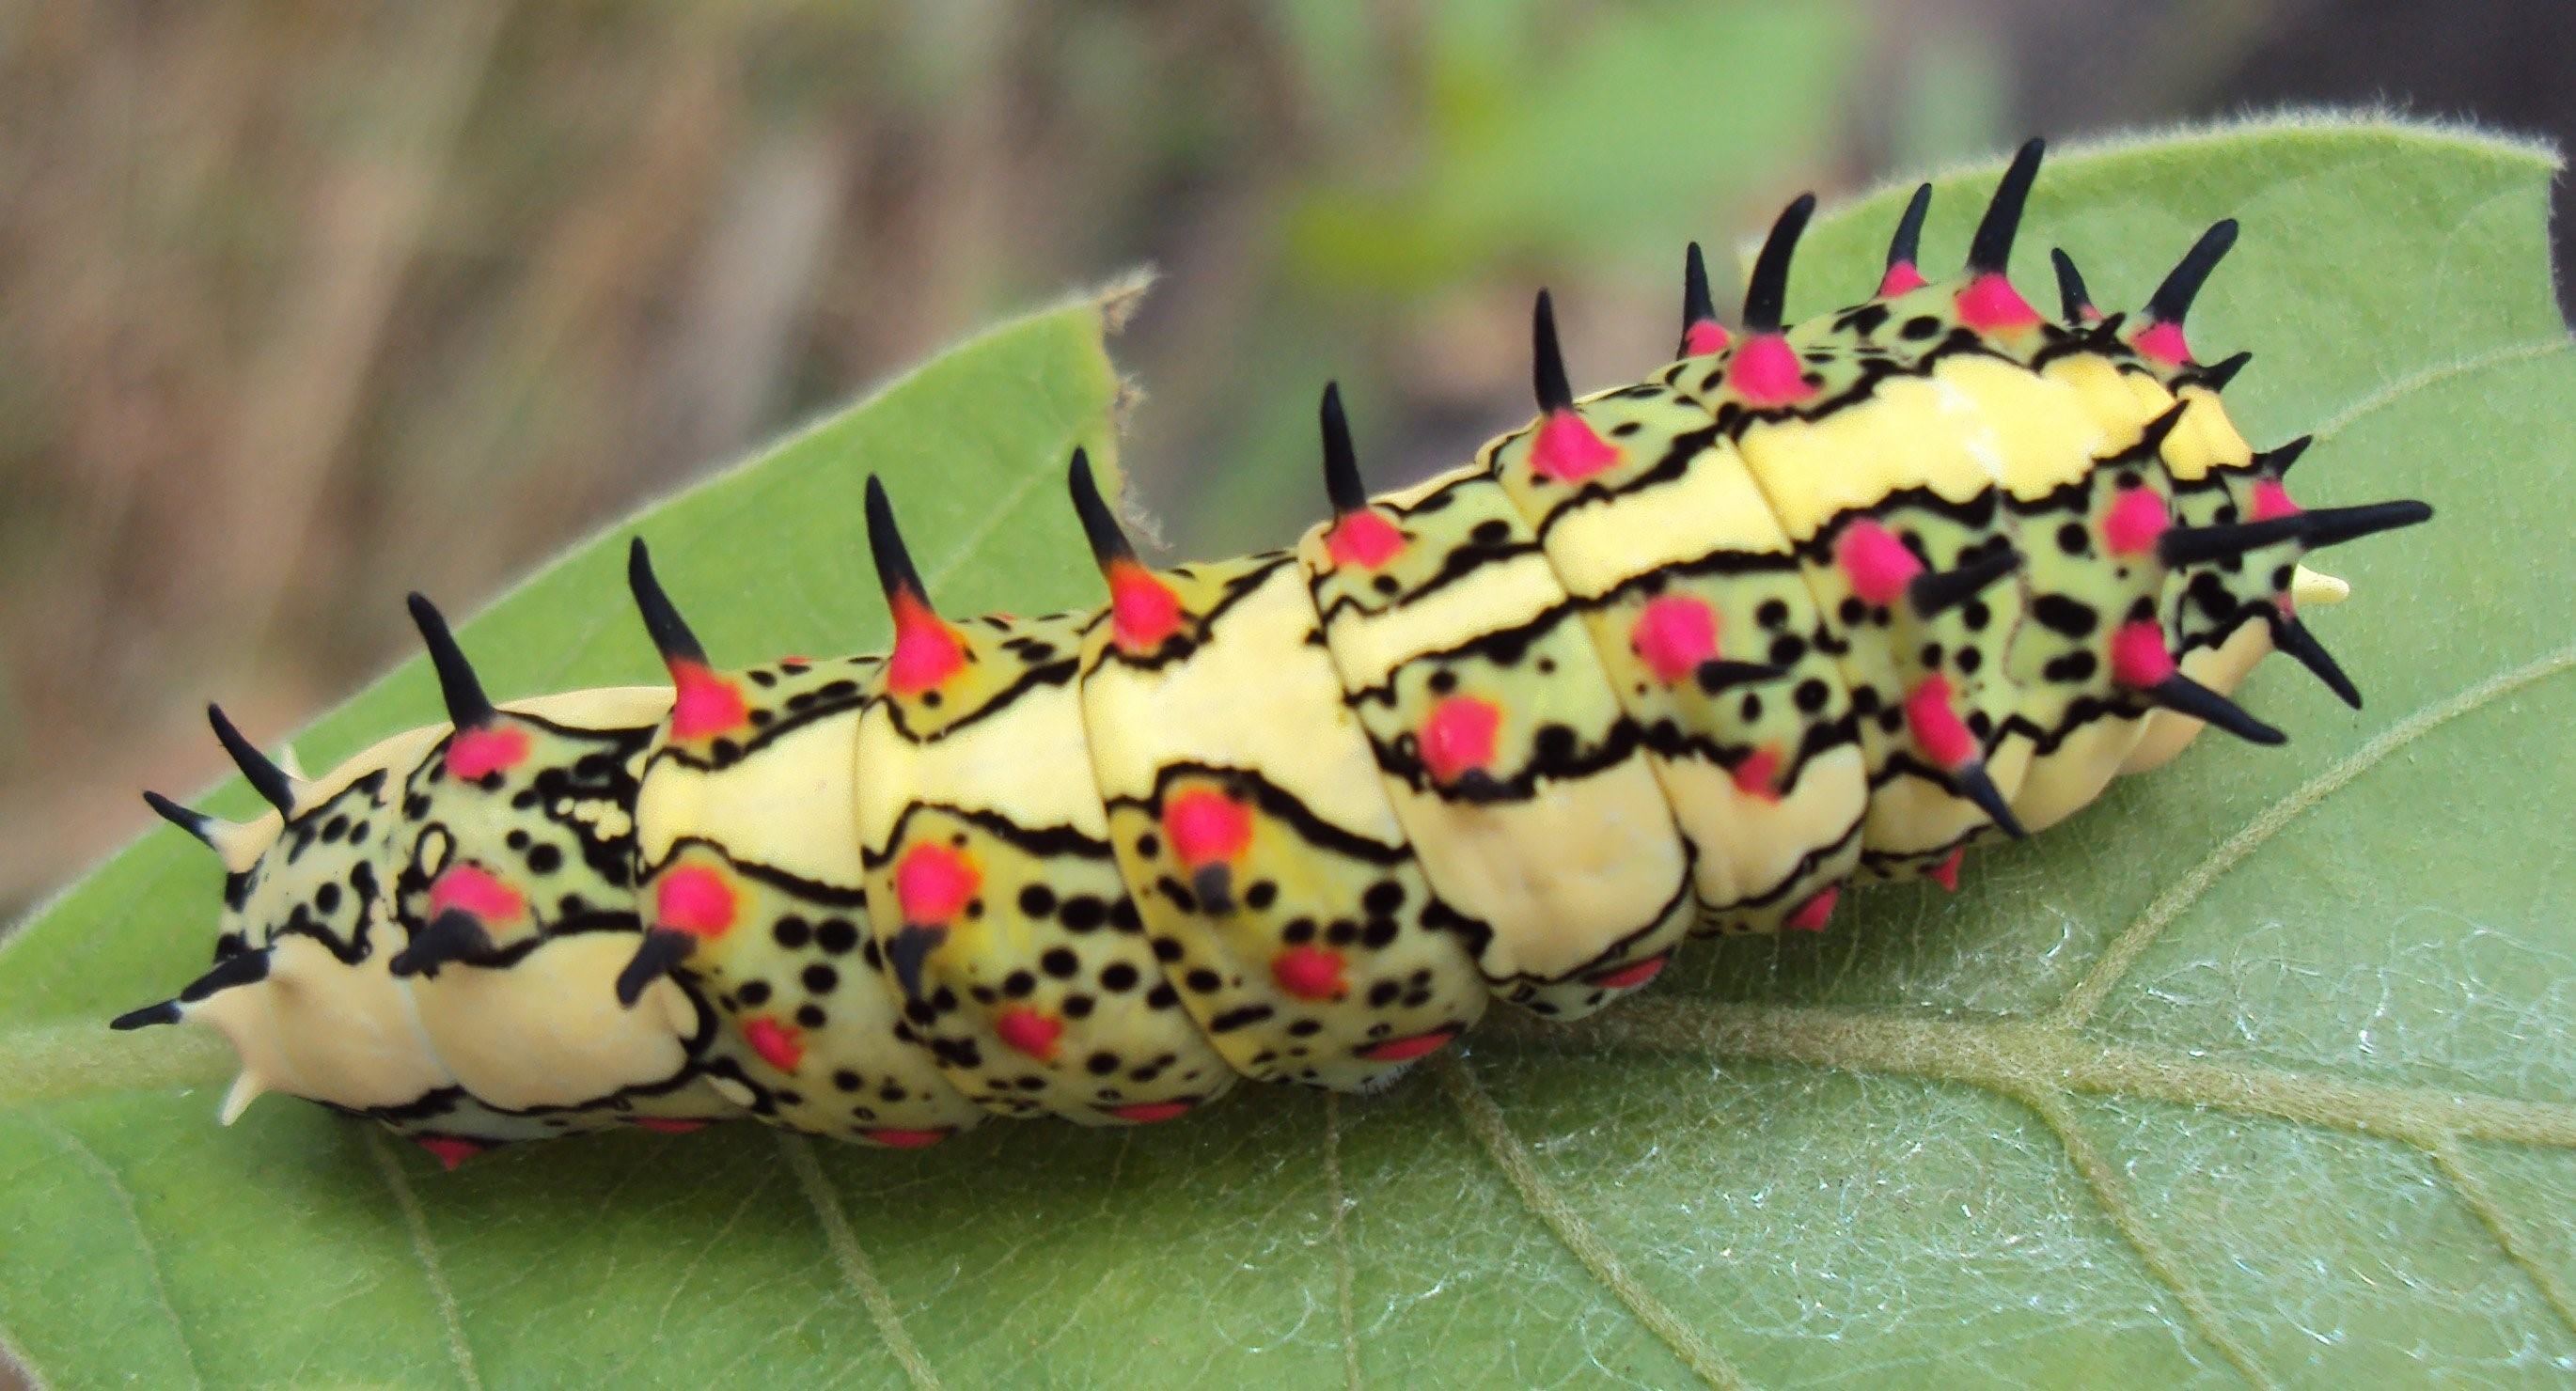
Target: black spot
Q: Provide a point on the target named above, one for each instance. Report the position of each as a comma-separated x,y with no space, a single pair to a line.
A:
1019,984
1921,326
1787,649
1384,896
821,979
1261,895
754,993
2073,539
811,1016
1060,962
2072,668
2059,613
1118,975
1084,913
1203,980
1101,1064
1811,695
791,932
1037,901
838,935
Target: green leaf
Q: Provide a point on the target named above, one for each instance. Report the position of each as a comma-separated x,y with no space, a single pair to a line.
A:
2264,1070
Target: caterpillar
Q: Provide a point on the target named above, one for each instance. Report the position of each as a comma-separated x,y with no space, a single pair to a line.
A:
1812,605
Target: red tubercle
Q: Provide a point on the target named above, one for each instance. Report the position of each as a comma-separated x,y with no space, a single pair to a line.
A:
1143,611
1673,634
1759,774
895,1137
1901,278
1567,450
1457,737
477,753
779,1045
1309,973
926,650
2271,499
450,1150
1946,873
704,704
1632,975
1990,304
1365,539
1149,1112
694,899
2135,520
1812,915
1874,562
1705,337
1027,1031
2139,656
473,889
668,1125
1765,371
1207,827
933,883
2162,341
1405,1050
1938,731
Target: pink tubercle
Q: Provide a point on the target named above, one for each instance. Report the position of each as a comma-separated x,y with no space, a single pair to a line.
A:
1877,565
477,753
1143,611
1458,736
1028,1031
1309,973
1938,731
1759,774
1405,1050
1812,915
933,883
2135,521
1207,827
449,1150
1568,450
473,889
1364,538
1150,1112
2272,500
1673,634
1946,873
926,650
1990,304
2139,657
1705,337
2162,341
777,1044
1632,975
1765,371
1901,278
704,704
895,1137
694,899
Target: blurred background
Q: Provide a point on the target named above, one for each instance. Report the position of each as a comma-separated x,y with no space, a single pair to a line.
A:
306,304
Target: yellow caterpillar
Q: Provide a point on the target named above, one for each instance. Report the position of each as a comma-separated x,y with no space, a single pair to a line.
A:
1812,603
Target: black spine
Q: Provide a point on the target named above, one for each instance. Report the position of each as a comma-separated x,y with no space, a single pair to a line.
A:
2172,299
1099,527
662,621
1991,251
467,706
269,780
1767,294
1341,462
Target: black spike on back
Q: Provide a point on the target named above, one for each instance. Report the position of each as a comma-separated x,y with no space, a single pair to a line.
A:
1991,251
1933,593
2279,460
165,1012
467,706
2292,636
2153,434
452,936
1341,462
1547,360
2220,375
1906,247
670,632
1978,786
2184,696
2332,526
2172,300
266,778
1099,526
2104,336
194,822
1698,307
2072,298
2325,526
661,951
895,573
1767,294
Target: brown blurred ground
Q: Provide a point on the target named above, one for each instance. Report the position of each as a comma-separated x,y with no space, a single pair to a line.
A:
304,305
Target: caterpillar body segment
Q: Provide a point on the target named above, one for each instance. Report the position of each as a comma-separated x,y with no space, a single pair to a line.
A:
1812,601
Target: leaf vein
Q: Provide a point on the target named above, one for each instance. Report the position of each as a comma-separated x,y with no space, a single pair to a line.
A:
416,1222
853,1261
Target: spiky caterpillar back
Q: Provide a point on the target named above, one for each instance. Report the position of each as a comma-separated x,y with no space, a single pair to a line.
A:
1812,601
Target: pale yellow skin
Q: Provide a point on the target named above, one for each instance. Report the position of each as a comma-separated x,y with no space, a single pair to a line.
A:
1231,826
